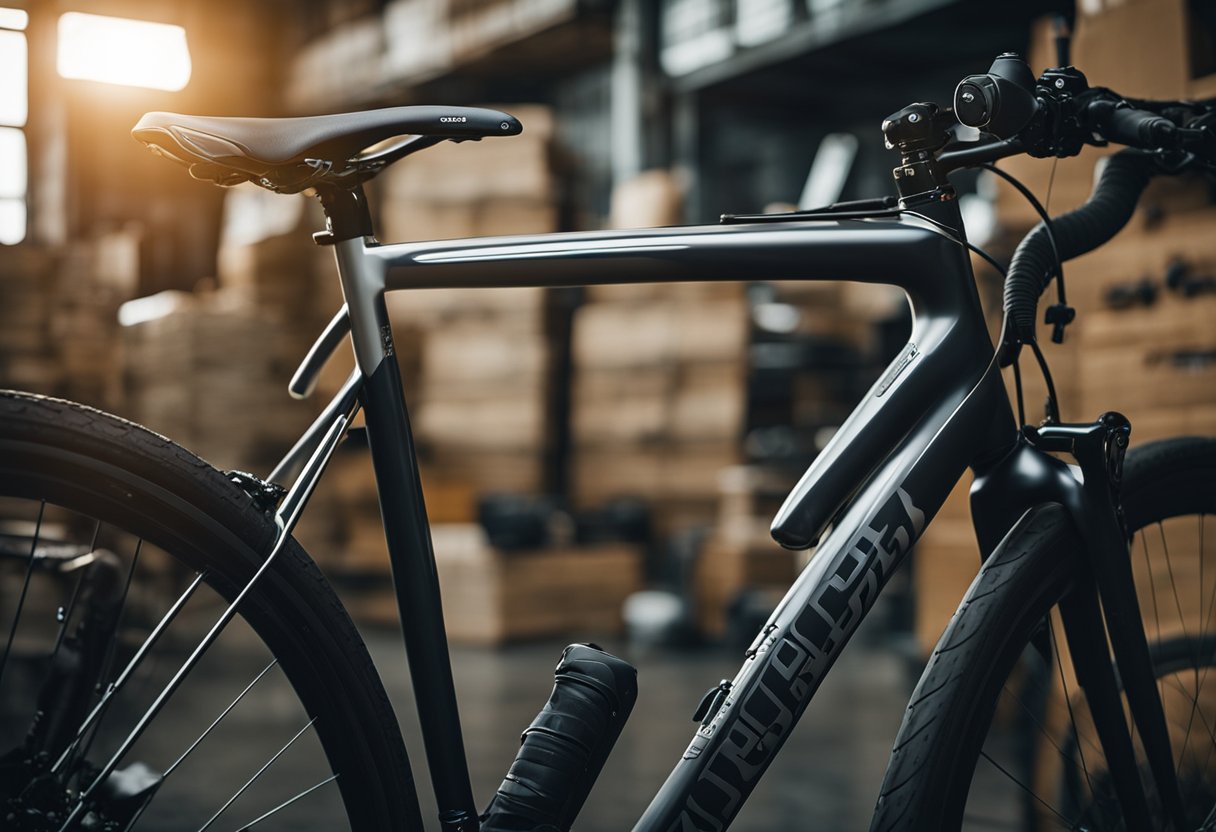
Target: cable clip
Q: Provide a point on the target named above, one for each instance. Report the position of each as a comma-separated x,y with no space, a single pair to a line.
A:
266,495
1059,315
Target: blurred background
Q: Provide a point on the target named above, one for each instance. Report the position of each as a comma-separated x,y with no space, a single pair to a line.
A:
601,463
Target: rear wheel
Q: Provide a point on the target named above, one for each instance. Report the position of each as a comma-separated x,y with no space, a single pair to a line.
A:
997,734
118,550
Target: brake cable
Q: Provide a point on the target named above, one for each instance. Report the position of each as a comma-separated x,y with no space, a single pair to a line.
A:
1061,314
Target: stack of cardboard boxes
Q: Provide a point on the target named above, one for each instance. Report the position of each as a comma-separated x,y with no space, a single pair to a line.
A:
659,397
483,407
211,372
27,355
95,277
491,597
57,331
740,553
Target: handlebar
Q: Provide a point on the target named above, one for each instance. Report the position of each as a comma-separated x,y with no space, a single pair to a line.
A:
1119,122
1054,115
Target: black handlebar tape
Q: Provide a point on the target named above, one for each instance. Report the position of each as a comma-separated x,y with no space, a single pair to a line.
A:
1122,124
1107,210
565,747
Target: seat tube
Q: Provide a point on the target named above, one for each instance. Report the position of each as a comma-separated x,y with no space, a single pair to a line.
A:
408,534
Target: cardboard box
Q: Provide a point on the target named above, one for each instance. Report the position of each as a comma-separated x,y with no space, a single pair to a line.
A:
613,406
506,311
645,334
689,403
1142,252
491,597
464,355
1137,47
738,557
474,421
405,218
510,167
664,472
677,292
944,562
651,199
484,471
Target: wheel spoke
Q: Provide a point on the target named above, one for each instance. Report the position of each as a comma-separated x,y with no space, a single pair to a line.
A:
85,743
1152,582
25,588
1203,629
122,608
1067,823
1201,571
117,685
1182,622
71,605
218,720
1202,720
287,803
1169,565
256,775
1043,729
1068,703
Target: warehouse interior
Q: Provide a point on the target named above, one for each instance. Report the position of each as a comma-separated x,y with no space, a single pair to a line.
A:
599,464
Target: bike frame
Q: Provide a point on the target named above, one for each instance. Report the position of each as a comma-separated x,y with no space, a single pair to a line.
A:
939,407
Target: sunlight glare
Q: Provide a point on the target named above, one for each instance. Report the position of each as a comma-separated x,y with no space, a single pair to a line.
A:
13,80
14,19
12,221
117,50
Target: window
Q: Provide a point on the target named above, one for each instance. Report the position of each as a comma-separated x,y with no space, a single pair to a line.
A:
116,50
14,108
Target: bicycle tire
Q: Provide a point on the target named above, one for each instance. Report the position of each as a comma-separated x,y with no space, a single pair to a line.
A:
122,474
947,719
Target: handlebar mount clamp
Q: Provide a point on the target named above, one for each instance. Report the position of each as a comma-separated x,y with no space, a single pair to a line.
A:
918,132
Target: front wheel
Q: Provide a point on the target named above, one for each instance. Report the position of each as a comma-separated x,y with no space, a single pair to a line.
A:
997,734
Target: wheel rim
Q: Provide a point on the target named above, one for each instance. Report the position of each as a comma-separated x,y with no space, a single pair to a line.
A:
60,724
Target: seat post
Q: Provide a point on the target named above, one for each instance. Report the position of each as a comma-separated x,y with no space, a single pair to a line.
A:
347,215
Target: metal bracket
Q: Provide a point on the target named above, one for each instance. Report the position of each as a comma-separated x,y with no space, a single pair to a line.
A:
266,495
711,703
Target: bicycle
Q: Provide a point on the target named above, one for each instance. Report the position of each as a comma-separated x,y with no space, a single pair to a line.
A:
1053,536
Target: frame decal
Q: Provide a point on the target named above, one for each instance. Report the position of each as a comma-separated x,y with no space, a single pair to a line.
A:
764,715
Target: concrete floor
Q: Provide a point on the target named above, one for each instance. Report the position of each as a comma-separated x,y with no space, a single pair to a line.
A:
826,778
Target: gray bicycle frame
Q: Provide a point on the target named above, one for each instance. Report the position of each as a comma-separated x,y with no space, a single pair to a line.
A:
939,407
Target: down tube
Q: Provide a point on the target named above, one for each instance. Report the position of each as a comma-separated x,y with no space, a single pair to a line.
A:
793,653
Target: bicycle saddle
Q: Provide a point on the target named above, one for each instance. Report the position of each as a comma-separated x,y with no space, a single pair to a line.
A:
290,154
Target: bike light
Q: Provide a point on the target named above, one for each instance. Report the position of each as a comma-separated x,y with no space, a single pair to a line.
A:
1001,102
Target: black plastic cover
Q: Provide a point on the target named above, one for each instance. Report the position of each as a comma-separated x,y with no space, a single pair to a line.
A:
564,749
